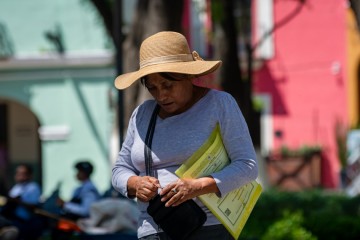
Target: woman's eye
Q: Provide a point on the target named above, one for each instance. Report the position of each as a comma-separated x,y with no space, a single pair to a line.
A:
149,87
168,84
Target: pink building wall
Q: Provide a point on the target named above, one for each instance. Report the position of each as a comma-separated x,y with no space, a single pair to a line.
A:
307,78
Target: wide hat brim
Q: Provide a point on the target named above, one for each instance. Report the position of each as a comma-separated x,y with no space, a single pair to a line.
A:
197,67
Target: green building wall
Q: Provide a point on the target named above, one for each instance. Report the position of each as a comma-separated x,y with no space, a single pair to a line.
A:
77,21
74,99
73,90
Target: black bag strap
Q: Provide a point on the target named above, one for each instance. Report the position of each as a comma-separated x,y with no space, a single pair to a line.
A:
148,142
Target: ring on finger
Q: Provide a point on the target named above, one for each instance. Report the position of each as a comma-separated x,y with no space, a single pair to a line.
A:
174,190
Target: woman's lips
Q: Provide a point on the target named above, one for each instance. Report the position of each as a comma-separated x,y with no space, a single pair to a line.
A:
166,105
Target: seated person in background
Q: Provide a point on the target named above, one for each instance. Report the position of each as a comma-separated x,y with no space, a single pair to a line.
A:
24,197
83,196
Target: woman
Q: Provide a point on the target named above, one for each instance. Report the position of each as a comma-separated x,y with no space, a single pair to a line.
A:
187,116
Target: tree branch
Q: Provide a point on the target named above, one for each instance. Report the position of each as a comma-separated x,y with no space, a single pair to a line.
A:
104,9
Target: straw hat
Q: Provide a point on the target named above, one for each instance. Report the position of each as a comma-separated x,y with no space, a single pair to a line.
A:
167,52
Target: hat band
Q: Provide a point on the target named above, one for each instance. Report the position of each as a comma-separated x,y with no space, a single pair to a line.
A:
167,59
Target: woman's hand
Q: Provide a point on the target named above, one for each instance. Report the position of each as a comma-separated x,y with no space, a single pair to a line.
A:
184,189
144,188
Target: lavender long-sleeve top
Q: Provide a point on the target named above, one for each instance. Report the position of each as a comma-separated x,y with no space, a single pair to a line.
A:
176,138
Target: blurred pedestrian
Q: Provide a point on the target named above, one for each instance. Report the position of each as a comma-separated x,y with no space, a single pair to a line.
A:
83,196
23,198
79,206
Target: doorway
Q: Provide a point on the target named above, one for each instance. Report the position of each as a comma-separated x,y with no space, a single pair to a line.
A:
19,142
3,148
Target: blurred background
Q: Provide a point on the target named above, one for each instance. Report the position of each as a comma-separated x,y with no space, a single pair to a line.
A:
292,65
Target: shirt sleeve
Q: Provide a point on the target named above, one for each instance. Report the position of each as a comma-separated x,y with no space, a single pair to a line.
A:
82,209
237,141
123,168
31,194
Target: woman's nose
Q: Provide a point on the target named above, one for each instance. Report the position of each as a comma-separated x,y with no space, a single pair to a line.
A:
162,94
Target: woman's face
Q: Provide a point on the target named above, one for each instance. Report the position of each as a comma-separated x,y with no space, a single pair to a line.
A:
173,92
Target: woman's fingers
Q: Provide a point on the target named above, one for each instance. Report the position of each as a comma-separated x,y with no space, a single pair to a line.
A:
176,199
147,188
155,182
178,192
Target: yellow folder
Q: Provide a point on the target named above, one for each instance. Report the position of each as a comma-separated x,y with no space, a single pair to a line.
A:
234,208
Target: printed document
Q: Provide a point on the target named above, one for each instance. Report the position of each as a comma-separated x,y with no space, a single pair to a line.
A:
234,208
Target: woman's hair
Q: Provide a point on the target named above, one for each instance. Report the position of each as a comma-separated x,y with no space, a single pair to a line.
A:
170,76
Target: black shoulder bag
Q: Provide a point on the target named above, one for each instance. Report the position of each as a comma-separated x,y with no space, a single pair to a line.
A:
178,222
